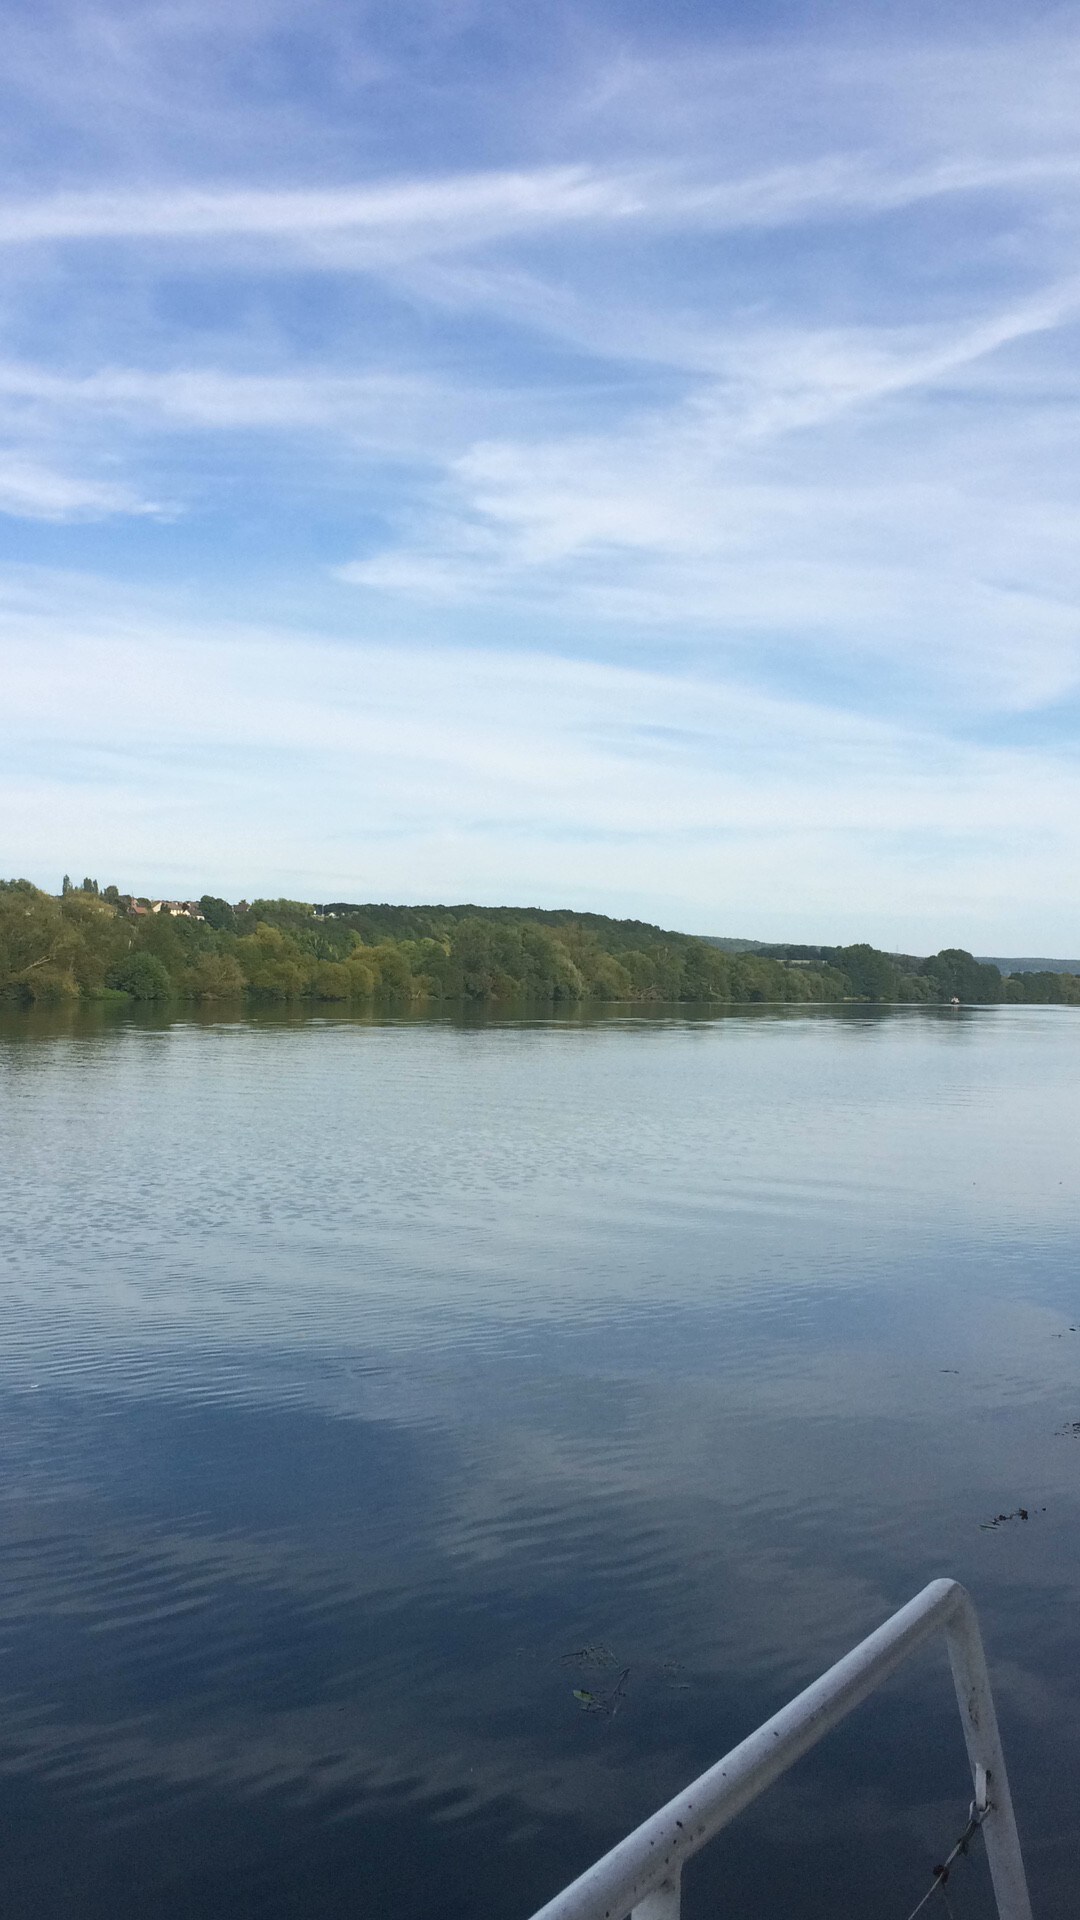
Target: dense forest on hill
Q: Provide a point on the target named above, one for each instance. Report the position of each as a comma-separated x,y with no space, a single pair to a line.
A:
101,944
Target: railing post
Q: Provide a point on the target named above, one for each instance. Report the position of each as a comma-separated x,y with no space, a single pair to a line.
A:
979,1720
640,1877
664,1904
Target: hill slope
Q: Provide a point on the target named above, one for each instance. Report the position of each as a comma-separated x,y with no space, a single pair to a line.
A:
99,945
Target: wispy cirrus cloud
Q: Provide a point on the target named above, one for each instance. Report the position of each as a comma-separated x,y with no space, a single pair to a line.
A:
809,502
457,213
441,212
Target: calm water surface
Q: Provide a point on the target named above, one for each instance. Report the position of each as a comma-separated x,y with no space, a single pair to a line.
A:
356,1376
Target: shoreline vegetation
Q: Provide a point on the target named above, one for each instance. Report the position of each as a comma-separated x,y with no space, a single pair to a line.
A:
94,943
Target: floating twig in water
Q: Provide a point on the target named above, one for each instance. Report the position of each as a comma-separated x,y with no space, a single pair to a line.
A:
616,1694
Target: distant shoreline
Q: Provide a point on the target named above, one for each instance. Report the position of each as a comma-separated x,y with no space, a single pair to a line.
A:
96,943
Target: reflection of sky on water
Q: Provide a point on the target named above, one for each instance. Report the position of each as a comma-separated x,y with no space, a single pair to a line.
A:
354,1375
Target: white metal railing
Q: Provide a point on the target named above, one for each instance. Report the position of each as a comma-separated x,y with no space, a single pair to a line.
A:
641,1877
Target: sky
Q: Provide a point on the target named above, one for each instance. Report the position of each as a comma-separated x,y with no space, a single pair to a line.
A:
618,457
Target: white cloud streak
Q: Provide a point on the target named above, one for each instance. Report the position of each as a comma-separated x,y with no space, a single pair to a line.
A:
30,490
452,212
441,212
511,776
220,400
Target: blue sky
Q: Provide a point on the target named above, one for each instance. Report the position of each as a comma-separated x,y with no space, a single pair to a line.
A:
622,457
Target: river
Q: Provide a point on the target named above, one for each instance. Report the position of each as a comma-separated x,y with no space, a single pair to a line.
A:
429,1443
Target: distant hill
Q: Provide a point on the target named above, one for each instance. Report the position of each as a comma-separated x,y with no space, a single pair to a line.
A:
1031,966
726,945
382,921
790,951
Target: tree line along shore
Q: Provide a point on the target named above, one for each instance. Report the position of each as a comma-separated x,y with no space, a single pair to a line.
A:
99,944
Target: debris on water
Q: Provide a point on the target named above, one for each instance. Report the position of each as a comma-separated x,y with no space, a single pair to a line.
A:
605,1692
591,1656
948,1369
606,1703
1002,1519
1070,1431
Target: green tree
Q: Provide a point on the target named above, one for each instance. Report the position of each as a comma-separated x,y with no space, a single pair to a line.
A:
915,986
142,975
332,981
38,945
214,976
273,965
547,970
363,974
173,942
957,975
394,975
1043,989
873,975
217,913
606,978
